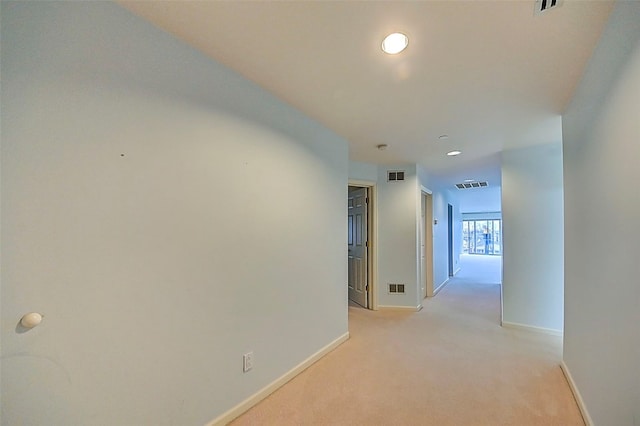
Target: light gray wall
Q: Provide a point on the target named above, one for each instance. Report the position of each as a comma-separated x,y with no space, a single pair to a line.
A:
363,171
482,216
397,236
532,224
477,200
601,130
165,215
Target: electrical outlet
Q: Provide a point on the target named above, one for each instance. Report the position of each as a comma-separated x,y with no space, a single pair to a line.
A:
247,361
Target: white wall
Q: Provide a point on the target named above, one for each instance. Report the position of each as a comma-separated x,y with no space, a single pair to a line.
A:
165,215
478,200
532,224
482,216
397,236
601,130
363,171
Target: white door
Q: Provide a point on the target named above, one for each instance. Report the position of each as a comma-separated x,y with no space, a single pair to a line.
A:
357,220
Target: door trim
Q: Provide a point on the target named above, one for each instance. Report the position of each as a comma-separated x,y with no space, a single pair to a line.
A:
358,253
428,240
372,235
451,268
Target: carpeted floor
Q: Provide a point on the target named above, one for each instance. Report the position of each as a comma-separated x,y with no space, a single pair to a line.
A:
449,364
480,268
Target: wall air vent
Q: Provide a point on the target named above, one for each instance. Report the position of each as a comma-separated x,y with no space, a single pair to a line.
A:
468,185
544,5
395,175
396,288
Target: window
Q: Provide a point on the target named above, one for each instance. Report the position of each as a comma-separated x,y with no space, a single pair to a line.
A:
482,236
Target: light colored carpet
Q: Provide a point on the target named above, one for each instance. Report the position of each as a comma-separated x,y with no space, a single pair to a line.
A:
449,364
485,269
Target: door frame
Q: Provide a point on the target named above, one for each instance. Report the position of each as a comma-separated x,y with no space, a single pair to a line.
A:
372,239
450,256
426,270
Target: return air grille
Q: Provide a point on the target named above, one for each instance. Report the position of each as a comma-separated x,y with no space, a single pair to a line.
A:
467,185
395,175
396,288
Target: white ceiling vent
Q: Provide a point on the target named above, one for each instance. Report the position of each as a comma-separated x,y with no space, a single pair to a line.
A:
544,5
468,185
395,175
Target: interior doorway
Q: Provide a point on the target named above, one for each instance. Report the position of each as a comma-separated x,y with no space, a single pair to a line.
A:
360,241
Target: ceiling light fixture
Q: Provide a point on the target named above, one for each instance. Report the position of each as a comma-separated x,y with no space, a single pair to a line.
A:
453,153
469,180
382,147
395,43
443,137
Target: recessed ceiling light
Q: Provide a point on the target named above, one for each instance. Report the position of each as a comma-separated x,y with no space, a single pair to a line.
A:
469,180
453,153
382,147
443,137
395,43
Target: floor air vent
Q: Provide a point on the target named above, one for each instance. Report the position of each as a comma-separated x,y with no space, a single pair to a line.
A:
396,175
468,185
396,288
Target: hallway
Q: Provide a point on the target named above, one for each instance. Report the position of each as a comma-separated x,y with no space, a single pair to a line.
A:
483,269
449,364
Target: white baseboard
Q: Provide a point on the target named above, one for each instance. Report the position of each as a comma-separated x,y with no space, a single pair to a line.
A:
441,286
533,328
245,405
576,394
399,308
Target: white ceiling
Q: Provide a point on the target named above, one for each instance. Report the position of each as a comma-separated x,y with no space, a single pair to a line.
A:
490,74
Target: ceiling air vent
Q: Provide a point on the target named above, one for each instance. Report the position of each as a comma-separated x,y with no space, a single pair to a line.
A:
468,185
394,176
544,5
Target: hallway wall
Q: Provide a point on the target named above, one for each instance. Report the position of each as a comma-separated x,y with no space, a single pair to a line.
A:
152,210
601,152
533,237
